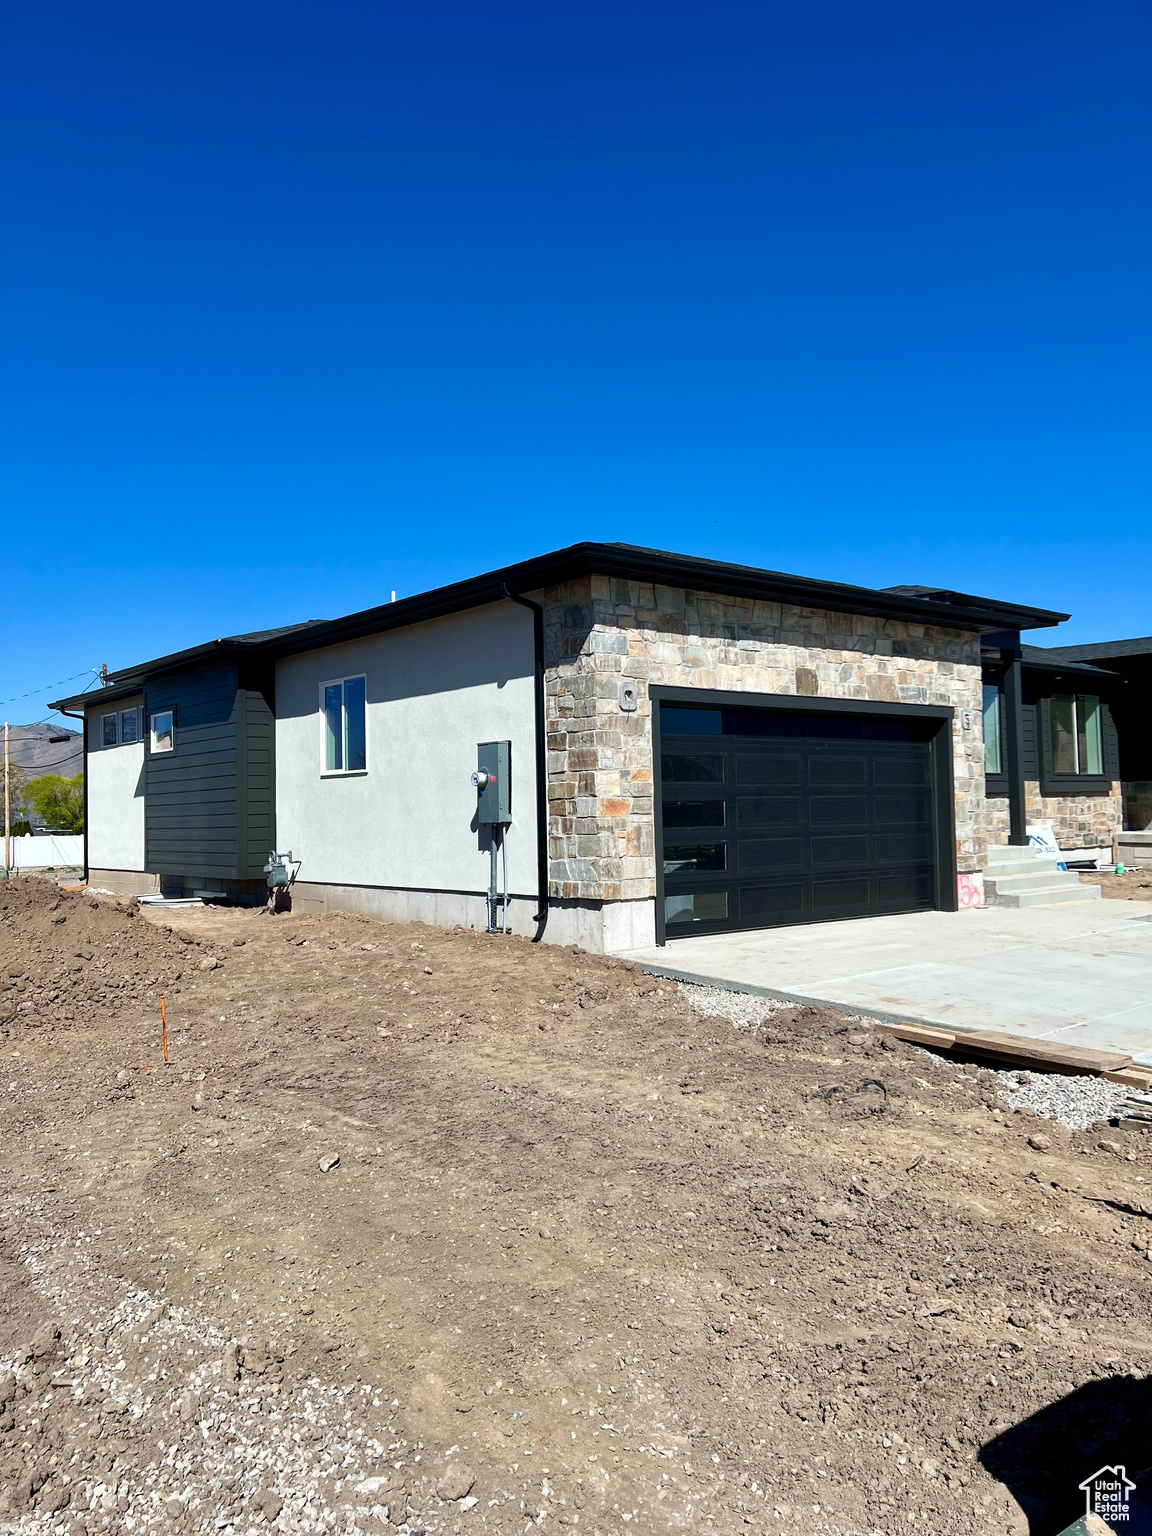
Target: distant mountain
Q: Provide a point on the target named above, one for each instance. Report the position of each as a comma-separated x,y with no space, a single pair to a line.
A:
32,747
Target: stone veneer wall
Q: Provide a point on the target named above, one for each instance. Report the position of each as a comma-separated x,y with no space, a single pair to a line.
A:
600,630
1079,821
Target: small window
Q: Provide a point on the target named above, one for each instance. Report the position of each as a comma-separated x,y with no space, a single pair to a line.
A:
163,731
345,725
110,737
993,741
129,726
1077,740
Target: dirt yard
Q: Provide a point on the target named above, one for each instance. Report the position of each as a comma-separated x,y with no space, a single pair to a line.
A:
589,1258
1132,885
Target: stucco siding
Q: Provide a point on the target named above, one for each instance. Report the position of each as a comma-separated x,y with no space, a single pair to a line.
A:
115,797
434,691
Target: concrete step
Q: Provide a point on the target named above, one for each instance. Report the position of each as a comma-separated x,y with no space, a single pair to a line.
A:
1005,870
999,854
1045,896
1030,880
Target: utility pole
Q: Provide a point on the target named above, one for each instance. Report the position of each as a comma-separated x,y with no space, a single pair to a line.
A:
7,813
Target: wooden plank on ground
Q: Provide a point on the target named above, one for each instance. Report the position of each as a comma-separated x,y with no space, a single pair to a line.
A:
1052,1054
1131,1077
920,1034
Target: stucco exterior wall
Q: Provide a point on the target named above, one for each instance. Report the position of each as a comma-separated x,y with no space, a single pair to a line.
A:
1079,821
408,823
115,796
600,630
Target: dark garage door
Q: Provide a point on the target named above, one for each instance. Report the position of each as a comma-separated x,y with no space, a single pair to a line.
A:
790,817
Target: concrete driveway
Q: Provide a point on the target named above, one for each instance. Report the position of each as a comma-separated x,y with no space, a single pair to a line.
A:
1082,975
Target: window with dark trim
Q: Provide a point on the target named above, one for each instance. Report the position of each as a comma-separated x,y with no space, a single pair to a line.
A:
1077,742
993,730
1072,744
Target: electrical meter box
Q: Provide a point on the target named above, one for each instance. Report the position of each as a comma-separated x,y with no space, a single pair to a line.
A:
494,781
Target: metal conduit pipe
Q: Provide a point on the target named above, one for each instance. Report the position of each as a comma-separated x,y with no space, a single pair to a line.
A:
541,914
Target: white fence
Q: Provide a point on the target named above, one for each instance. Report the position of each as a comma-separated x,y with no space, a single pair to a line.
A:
50,852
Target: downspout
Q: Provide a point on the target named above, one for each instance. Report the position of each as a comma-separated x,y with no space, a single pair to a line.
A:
83,718
541,914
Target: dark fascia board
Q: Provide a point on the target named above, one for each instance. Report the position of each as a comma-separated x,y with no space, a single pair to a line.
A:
631,563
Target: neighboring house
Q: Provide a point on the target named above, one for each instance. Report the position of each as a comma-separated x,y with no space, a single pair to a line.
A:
695,746
1070,749
1125,670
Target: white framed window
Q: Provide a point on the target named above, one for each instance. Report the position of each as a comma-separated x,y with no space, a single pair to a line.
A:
344,714
129,726
163,731
109,737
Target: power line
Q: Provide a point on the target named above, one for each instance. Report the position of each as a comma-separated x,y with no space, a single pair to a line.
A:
48,767
48,687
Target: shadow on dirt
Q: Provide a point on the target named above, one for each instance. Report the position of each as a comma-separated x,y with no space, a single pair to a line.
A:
1043,1460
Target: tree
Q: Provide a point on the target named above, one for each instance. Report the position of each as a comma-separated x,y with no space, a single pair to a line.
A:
57,801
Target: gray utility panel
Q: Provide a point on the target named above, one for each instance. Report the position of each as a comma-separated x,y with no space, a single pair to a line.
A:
493,781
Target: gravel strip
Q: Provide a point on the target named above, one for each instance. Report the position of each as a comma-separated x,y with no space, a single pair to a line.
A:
743,1008
1077,1102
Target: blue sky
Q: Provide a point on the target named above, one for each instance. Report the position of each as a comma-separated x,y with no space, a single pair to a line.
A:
306,303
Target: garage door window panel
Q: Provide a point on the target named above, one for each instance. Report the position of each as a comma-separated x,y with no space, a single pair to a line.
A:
849,771
692,768
904,848
765,812
840,895
842,852
776,855
843,810
702,858
894,772
772,904
782,769
898,893
694,813
695,907
896,810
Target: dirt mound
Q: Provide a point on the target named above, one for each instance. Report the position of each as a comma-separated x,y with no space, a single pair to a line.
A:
414,1212
65,955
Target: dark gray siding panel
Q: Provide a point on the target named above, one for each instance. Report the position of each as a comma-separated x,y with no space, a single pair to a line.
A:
1029,742
257,749
1111,744
191,810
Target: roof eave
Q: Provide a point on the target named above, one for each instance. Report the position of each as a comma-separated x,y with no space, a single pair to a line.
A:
586,559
